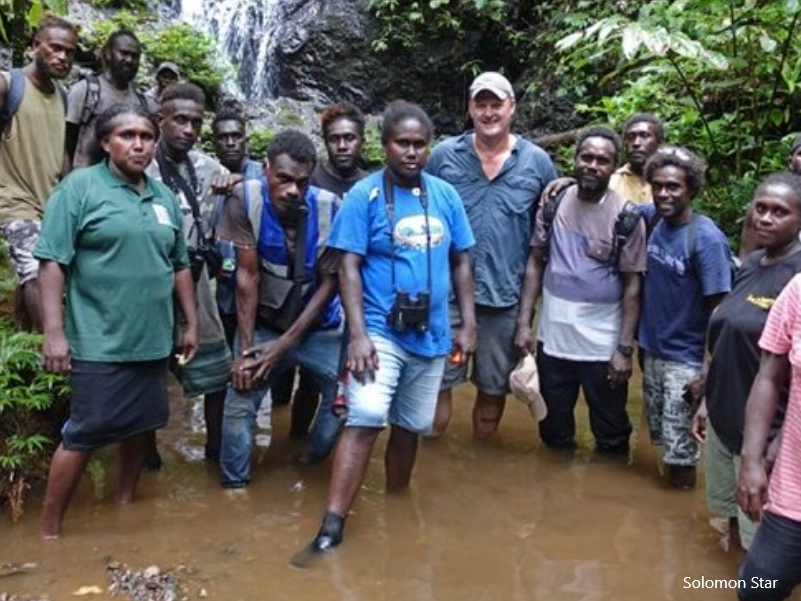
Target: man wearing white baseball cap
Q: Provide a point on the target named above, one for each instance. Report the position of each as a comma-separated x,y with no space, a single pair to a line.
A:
499,176
167,74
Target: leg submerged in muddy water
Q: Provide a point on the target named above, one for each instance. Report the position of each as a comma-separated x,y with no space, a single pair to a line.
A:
350,466
66,469
131,456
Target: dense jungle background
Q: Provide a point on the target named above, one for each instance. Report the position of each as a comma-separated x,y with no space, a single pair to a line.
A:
724,75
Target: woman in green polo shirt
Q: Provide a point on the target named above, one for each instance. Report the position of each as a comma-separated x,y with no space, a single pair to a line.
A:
112,244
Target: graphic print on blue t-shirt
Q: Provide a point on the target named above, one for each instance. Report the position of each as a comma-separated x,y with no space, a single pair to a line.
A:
410,233
362,227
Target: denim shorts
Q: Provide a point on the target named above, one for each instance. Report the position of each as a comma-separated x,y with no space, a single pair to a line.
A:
403,392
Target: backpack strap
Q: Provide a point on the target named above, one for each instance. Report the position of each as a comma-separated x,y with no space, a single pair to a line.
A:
16,90
327,205
63,94
254,203
549,210
252,170
625,225
92,98
692,236
142,100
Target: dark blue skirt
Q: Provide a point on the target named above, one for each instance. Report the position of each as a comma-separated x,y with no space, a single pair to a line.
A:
114,401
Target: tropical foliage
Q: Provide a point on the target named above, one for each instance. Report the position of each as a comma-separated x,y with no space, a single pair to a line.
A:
193,51
27,398
724,75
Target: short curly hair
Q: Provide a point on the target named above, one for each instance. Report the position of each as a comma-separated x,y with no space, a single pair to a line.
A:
228,114
342,110
681,158
105,50
600,131
184,91
659,127
295,144
54,22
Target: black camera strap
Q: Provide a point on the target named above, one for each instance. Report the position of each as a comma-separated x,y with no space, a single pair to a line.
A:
299,264
389,198
172,177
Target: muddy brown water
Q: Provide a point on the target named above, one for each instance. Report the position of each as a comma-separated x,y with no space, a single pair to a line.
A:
505,520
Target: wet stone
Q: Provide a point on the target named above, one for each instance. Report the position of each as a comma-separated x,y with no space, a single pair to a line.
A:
150,584
12,569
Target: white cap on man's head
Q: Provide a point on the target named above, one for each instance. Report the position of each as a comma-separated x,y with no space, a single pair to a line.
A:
493,82
168,66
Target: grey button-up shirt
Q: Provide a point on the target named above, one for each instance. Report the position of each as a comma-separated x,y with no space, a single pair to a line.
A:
501,211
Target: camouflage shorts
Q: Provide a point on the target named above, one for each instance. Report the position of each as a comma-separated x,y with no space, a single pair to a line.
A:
21,238
669,415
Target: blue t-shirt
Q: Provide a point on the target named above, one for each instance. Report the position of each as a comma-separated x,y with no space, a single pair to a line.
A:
362,227
673,318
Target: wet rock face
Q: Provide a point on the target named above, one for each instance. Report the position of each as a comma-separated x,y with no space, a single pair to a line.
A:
323,55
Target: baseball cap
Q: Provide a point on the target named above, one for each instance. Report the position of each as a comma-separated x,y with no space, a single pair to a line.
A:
494,82
168,66
525,384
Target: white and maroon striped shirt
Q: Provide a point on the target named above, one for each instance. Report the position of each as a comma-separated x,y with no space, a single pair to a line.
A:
782,336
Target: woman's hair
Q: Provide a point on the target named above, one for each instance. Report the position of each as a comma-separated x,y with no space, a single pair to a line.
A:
401,110
107,121
787,180
681,158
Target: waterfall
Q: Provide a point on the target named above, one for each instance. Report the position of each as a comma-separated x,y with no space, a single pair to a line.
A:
244,30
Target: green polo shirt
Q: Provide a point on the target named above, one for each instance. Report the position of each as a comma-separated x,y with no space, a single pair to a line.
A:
121,250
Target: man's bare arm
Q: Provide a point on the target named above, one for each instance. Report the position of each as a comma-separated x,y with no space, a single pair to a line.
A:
532,288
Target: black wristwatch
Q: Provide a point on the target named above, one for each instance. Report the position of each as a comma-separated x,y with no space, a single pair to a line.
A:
625,350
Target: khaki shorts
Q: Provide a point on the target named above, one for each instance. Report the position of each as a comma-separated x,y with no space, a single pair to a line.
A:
722,468
495,356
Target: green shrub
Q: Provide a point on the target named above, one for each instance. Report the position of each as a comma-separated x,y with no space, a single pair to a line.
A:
194,52
289,118
373,151
258,139
28,395
725,77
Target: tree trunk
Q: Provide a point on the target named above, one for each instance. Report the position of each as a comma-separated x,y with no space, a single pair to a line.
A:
19,33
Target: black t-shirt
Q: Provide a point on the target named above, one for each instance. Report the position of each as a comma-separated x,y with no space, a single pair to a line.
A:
322,179
734,332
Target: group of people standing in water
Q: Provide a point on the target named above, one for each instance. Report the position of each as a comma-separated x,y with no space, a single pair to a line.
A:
387,289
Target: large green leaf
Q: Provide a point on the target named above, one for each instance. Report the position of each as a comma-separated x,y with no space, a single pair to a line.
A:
35,13
58,6
632,39
567,42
